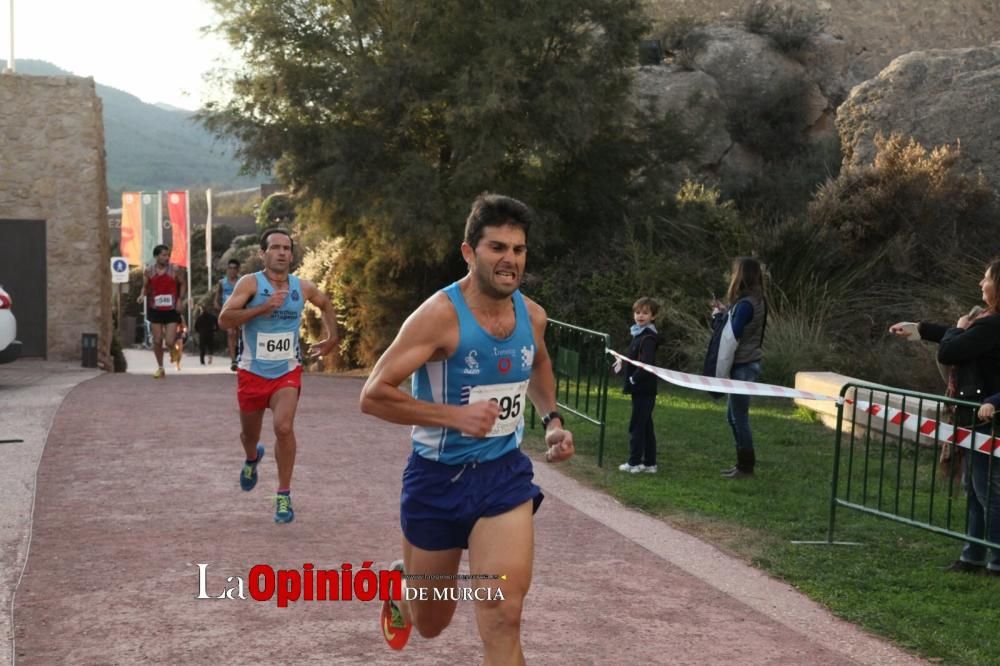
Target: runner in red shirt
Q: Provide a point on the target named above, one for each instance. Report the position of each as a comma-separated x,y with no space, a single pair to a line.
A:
164,286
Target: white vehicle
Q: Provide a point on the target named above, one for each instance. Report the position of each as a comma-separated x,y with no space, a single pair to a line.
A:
10,347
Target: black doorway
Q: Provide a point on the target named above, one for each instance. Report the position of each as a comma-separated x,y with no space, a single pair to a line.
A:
24,275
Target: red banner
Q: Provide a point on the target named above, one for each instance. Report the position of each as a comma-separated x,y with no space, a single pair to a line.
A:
177,208
131,243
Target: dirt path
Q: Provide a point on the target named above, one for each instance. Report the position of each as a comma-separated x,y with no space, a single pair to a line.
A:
138,484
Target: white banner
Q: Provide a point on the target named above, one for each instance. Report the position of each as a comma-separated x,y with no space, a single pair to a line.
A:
716,385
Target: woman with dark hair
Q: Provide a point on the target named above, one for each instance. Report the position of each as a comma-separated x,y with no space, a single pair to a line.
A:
973,346
740,353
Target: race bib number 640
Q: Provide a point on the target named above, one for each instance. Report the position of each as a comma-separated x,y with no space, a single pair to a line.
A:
275,346
511,398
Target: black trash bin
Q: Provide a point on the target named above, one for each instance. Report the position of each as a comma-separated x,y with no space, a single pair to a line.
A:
89,345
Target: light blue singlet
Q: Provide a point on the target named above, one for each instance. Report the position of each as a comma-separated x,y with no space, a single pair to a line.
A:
269,345
482,368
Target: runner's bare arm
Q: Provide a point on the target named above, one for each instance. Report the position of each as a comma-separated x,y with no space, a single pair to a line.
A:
235,313
322,301
429,334
542,388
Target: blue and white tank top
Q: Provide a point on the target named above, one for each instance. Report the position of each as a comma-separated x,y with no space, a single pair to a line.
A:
483,367
227,288
269,344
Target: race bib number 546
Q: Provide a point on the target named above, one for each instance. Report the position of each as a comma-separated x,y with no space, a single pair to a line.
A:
511,398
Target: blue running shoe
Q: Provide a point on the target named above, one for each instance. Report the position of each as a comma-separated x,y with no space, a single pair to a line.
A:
248,475
283,509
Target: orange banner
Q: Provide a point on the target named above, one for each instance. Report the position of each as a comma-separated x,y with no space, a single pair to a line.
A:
131,243
177,208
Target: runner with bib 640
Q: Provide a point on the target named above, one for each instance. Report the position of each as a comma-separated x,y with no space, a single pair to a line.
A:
268,306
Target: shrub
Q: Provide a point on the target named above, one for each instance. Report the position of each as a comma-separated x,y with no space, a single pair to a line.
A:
881,243
785,187
679,258
790,29
914,207
681,39
319,267
771,123
757,16
276,210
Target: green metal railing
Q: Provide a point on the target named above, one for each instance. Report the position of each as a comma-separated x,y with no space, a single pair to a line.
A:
580,365
882,466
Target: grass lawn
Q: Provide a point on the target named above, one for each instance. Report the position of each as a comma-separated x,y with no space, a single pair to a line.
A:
892,585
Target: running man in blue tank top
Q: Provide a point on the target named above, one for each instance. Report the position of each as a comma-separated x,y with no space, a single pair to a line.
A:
222,293
268,306
476,352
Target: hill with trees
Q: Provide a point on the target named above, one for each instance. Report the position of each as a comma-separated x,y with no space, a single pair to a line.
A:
153,146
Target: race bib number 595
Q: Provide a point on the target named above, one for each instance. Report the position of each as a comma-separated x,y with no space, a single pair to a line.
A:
511,398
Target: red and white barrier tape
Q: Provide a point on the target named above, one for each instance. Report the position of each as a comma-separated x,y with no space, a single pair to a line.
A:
928,427
716,385
918,426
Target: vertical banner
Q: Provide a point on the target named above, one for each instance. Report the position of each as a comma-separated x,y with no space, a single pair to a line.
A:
190,299
208,238
152,224
177,210
131,243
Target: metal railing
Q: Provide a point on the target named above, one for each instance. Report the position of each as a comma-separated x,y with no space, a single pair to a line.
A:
580,365
888,462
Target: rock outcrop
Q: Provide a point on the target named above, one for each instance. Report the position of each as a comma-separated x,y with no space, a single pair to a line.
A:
727,71
874,31
937,97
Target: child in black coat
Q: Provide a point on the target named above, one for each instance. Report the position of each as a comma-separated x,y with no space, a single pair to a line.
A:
642,386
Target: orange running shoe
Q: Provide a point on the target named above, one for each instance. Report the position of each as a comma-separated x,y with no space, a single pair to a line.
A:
395,629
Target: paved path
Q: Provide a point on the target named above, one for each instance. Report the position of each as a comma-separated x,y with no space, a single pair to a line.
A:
30,393
138,484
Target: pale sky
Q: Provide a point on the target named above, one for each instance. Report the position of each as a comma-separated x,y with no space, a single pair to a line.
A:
150,48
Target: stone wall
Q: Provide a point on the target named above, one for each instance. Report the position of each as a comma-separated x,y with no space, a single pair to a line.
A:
877,31
52,168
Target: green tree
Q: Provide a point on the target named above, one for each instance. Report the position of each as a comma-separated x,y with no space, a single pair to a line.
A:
396,114
276,210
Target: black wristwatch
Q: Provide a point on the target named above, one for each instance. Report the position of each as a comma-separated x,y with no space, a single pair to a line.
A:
547,419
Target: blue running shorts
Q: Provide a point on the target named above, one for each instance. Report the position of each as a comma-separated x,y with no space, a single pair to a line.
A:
441,503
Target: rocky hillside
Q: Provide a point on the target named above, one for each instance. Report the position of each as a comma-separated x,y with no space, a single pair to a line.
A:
876,31
744,101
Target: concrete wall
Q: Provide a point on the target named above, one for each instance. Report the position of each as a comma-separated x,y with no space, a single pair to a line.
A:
831,383
52,168
876,30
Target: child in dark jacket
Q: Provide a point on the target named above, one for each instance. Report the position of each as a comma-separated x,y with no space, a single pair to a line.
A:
642,386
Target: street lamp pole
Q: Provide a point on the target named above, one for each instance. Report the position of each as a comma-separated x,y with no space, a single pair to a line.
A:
10,58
